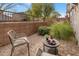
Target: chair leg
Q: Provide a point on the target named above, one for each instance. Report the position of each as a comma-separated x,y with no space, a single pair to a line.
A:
43,47
12,50
28,49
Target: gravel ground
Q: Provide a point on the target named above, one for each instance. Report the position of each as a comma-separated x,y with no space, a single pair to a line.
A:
65,49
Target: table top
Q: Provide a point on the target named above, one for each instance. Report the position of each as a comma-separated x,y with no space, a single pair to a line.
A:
51,46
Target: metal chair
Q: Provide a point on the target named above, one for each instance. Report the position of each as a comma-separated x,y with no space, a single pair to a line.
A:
17,40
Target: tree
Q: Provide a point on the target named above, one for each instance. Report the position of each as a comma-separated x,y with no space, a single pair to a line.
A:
47,9
42,10
29,14
36,10
55,14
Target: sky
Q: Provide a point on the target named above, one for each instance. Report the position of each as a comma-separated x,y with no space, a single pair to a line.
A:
59,7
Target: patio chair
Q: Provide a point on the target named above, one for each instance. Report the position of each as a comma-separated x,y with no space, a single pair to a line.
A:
17,40
42,53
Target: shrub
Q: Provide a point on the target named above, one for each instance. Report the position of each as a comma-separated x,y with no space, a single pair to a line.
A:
43,30
61,30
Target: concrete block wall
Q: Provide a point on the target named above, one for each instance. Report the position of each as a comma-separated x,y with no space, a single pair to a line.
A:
28,28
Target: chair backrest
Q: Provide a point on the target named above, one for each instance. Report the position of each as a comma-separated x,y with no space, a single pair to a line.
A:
12,34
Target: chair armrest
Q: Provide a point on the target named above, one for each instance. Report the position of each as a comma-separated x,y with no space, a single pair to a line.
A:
20,35
25,38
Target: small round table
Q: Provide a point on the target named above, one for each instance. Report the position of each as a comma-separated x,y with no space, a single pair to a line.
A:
52,47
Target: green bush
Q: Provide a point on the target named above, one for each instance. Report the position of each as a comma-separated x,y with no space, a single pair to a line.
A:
61,30
43,30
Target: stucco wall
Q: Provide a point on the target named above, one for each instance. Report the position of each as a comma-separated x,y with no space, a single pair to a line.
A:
74,18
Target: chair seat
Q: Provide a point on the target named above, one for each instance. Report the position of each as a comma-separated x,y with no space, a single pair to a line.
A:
46,54
19,41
